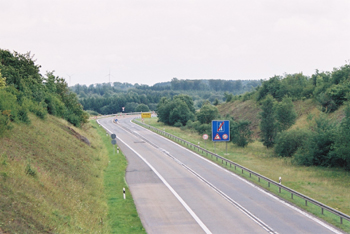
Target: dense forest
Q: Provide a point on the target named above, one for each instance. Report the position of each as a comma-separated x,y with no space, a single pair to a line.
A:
108,98
23,89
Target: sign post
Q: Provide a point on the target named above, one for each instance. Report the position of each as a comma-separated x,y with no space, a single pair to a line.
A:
205,138
114,142
220,131
145,115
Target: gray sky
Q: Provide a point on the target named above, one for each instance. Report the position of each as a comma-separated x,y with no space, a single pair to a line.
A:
150,41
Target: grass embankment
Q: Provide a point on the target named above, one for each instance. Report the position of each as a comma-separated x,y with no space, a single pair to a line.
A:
327,185
122,214
52,182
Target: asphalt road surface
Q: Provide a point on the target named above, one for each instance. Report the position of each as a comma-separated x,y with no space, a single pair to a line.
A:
178,191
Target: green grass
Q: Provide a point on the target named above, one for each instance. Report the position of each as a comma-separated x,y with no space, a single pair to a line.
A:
327,185
50,181
122,214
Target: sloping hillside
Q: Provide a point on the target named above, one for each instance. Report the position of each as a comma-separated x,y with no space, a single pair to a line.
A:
50,180
250,109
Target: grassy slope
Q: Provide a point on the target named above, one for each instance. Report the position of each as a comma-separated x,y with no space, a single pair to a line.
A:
67,193
327,185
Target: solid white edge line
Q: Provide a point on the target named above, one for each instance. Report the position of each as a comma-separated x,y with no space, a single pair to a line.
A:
200,223
253,185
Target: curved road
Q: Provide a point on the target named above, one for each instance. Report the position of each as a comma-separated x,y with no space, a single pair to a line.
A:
178,191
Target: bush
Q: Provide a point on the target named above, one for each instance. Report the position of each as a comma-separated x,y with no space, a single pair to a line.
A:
204,128
240,133
317,149
288,142
328,105
178,124
23,115
38,109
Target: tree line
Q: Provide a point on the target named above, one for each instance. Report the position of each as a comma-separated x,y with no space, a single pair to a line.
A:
323,142
23,89
108,98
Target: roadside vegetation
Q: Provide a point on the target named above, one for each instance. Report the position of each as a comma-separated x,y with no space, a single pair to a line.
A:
57,174
50,180
293,126
122,214
327,185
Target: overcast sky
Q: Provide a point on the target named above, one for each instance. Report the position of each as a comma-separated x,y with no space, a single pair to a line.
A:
150,41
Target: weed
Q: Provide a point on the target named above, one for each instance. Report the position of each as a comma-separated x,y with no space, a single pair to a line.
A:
30,171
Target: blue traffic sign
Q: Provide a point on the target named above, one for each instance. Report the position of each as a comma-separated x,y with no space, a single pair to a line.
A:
220,130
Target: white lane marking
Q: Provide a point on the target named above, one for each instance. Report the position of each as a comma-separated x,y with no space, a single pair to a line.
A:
253,185
224,195
201,224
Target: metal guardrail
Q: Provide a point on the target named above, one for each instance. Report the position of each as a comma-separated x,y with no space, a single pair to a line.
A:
260,177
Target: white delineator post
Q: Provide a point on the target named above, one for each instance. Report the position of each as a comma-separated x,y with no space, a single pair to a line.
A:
280,180
124,193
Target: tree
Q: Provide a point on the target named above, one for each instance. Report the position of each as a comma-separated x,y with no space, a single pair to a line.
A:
180,113
207,113
268,122
142,108
285,114
240,132
342,142
178,110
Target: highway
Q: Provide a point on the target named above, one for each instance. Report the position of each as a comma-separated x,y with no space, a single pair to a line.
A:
178,191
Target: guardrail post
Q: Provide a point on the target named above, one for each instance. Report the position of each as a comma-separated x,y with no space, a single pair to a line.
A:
341,220
305,202
259,179
322,210
250,175
268,183
291,195
279,189
242,171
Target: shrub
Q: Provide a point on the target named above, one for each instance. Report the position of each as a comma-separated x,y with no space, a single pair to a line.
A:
288,142
328,105
317,149
178,124
240,133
